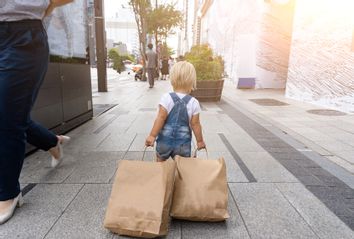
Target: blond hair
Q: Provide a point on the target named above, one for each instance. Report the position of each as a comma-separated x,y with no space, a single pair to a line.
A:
183,76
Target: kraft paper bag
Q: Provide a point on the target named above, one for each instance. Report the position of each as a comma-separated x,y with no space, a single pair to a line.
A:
141,197
201,192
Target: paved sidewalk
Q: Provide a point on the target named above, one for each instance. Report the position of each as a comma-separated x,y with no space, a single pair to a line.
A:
288,176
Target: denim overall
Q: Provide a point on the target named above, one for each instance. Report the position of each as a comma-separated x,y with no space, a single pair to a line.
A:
175,137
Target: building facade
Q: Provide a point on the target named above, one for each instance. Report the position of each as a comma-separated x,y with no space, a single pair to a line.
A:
305,47
121,27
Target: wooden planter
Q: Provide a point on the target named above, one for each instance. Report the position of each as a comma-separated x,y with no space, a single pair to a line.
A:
208,90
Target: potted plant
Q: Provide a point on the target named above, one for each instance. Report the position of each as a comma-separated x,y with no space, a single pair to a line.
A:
210,69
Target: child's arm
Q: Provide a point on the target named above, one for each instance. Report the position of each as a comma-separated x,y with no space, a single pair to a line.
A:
197,129
159,123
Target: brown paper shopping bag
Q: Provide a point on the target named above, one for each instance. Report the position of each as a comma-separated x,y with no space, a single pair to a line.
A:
201,192
141,198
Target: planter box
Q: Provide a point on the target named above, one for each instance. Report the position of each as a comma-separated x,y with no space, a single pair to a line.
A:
208,90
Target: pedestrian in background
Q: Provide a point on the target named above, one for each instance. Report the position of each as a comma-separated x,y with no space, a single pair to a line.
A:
171,62
164,68
24,55
151,65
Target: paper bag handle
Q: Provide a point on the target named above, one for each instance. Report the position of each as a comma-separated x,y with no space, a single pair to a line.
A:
196,151
145,148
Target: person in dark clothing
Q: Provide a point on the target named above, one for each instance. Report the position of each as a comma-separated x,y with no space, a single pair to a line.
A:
164,68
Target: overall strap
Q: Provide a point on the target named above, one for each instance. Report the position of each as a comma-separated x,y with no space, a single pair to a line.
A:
186,99
174,97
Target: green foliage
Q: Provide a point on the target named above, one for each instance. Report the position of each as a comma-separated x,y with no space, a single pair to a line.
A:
207,66
162,19
118,59
129,57
166,51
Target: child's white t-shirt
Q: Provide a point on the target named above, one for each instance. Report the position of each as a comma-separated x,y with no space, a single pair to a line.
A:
193,106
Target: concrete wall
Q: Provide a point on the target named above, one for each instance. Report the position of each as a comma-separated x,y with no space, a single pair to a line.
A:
321,68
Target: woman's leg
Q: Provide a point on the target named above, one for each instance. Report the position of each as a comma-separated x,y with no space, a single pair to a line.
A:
23,63
41,137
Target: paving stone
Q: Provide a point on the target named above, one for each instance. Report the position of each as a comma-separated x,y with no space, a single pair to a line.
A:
310,180
91,126
339,207
86,142
231,228
267,213
322,221
95,167
214,143
287,156
234,173
265,168
42,208
349,221
38,169
279,149
319,172
347,155
335,145
121,124
325,192
342,163
294,168
139,143
273,143
212,124
138,155
143,124
119,142
244,144
331,181
84,216
307,163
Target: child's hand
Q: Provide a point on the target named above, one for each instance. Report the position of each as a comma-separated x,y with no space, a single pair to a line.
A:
201,145
150,140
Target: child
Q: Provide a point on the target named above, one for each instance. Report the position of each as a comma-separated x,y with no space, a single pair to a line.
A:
178,115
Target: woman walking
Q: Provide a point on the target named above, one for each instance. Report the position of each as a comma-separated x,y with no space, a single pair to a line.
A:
23,64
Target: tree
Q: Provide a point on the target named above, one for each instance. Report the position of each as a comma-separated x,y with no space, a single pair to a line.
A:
162,19
141,9
166,51
118,64
118,59
158,21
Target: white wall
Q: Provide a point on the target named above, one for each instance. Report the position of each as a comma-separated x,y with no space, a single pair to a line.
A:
321,69
268,28
224,26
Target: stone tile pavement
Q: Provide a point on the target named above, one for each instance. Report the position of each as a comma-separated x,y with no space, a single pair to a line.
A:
283,182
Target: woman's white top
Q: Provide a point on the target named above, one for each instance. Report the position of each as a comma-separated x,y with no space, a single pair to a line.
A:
193,106
17,10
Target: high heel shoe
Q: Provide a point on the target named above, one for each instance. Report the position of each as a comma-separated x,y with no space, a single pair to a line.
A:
57,161
18,201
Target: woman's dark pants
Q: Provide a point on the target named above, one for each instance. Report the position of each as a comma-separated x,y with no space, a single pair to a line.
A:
23,64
